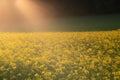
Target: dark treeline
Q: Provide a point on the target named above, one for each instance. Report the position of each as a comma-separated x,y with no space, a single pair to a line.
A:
84,7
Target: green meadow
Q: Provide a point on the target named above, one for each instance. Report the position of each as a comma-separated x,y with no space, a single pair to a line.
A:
86,23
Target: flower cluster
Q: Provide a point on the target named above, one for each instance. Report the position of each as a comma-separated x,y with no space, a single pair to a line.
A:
60,56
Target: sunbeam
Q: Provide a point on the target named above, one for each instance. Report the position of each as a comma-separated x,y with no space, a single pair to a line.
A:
29,10
24,14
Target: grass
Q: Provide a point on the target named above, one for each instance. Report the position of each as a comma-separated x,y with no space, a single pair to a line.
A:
87,23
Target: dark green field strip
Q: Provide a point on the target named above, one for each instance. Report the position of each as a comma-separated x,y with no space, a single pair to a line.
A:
87,23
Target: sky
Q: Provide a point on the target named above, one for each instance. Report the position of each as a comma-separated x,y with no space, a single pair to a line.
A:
31,14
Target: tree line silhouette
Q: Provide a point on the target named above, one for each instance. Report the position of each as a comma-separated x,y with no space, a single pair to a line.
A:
85,7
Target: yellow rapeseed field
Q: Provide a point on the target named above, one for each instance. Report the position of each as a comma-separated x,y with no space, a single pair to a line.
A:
60,56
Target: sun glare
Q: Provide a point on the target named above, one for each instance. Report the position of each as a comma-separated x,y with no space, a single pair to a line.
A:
28,12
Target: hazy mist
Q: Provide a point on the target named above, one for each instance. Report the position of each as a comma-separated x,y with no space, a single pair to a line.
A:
23,15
